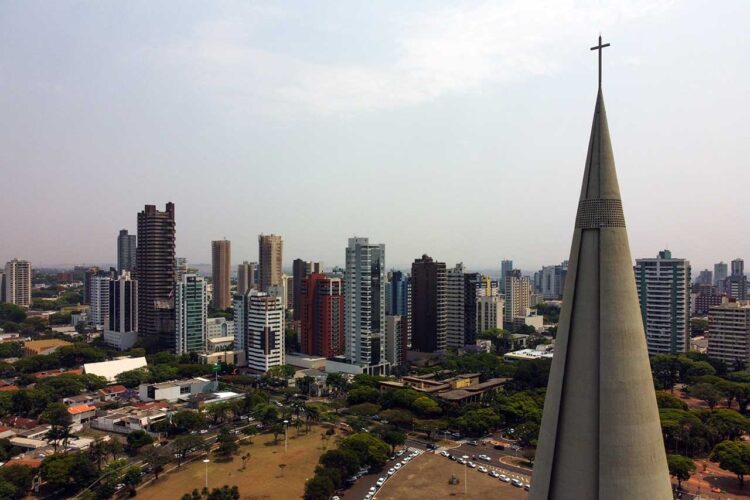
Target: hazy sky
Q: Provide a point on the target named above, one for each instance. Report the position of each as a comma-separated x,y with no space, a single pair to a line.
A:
456,129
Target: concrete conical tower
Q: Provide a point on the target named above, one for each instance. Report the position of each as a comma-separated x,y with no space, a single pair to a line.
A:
600,436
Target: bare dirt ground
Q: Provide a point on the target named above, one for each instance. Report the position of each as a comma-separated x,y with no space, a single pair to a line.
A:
262,478
427,477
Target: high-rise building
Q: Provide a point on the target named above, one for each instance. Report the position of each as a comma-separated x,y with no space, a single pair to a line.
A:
121,328
221,270
705,277
489,311
473,284
364,305
126,248
301,269
155,272
17,278
704,297
600,435
736,284
322,316
270,252
395,340
506,266
99,289
88,275
720,275
246,277
729,333
517,295
429,321
664,292
398,303
180,268
191,312
2,285
455,307
259,328
552,281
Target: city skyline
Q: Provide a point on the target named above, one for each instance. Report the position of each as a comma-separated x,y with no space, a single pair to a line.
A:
182,116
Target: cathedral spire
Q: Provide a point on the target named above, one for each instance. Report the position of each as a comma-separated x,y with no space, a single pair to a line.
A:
601,435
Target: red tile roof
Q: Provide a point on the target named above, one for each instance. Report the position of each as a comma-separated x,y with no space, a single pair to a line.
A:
75,410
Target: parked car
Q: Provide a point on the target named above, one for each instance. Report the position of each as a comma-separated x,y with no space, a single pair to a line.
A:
472,443
504,478
482,468
494,474
472,465
517,483
485,458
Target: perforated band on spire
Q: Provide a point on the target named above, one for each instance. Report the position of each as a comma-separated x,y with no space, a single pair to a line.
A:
595,214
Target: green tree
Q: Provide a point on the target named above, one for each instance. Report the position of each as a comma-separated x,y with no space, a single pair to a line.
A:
394,438
227,445
19,476
681,467
132,478
187,421
706,392
58,417
319,488
369,449
138,439
182,445
157,459
667,400
337,383
11,312
733,456
132,378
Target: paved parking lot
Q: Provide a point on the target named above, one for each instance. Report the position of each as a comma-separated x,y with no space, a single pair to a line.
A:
363,485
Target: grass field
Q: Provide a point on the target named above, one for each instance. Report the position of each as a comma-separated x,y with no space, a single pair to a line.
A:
262,479
427,477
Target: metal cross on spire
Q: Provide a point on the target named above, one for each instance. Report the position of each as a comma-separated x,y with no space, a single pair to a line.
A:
599,48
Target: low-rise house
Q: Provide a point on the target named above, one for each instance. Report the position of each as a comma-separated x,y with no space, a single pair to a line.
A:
81,413
6,432
541,351
57,372
43,347
113,392
81,399
28,443
128,419
176,390
20,423
318,386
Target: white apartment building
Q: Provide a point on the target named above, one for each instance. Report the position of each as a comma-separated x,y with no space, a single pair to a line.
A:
517,295
454,304
18,282
191,312
663,285
219,327
489,312
121,326
99,290
260,323
364,305
729,333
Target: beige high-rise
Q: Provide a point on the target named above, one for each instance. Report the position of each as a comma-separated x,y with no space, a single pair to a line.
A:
601,436
221,265
18,282
270,254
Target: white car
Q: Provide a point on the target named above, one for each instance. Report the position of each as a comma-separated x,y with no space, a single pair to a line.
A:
391,471
397,466
444,453
373,489
504,478
472,465
517,483
380,481
482,469
494,474
462,461
485,458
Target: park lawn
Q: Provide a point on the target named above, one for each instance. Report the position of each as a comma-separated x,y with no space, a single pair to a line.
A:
262,479
427,477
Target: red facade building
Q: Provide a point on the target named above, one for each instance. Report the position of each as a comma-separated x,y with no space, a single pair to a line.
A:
322,318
